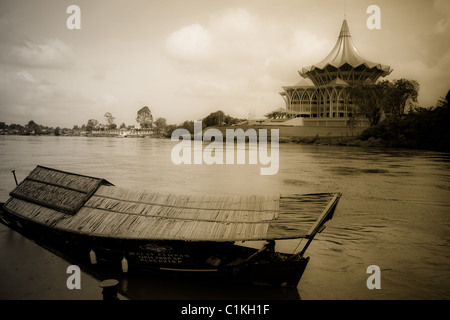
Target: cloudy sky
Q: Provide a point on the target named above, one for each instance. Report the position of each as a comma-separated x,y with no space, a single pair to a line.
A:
186,59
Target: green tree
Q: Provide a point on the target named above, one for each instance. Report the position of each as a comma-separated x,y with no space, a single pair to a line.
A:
17,128
144,118
92,125
169,129
160,125
110,120
219,118
368,98
188,125
32,127
421,128
397,94
214,119
351,123
444,102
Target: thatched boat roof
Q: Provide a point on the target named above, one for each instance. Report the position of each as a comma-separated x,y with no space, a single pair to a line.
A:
93,206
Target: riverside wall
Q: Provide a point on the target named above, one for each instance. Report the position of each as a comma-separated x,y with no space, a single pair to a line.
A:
299,131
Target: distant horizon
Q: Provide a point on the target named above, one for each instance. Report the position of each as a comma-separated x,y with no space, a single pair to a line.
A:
136,124
187,61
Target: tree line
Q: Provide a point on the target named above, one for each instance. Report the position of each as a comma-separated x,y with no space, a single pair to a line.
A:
144,118
419,128
217,118
384,98
395,118
384,104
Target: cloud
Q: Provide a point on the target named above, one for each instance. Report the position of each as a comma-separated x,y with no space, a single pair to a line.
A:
433,82
100,72
308,44
52,53
301,50
204,88
40,100
233,37
235,21
106,100
189,42
237,42
442,6
236,31
25,75
238,60
442,25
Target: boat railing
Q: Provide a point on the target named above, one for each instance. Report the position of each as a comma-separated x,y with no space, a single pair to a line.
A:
319,224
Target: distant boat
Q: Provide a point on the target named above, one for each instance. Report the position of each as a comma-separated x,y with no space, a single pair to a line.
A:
123,134
91,219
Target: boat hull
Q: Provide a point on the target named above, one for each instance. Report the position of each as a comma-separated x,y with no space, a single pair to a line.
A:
199,259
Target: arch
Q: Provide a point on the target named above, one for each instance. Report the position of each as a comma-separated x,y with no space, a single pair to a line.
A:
295,100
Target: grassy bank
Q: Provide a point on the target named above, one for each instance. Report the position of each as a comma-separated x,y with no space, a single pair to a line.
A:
386,135
336,141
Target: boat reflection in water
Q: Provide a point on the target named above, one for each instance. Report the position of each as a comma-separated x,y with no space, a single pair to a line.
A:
144,285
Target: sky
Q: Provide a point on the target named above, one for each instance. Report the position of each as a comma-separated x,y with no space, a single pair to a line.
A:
186,59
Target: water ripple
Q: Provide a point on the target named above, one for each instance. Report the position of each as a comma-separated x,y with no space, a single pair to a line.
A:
296,182
355,171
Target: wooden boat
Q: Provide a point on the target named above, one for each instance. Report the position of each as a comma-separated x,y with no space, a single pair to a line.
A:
91,218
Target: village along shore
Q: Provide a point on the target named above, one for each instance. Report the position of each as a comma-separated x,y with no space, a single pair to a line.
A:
421,128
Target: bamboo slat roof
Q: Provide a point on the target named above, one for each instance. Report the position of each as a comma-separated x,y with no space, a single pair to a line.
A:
51,197
57,189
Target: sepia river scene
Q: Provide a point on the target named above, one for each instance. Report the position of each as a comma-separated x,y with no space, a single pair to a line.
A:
394,210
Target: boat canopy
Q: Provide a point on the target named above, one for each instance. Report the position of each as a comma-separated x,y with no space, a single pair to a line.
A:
92,206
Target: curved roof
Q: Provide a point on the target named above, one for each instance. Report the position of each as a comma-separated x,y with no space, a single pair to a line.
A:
92,206
345,52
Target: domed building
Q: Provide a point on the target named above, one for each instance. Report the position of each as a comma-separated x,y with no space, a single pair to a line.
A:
323,92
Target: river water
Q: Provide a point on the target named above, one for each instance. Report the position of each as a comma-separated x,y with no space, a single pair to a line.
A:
394,212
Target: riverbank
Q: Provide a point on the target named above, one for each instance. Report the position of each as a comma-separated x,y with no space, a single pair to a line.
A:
360,142
379,136
335,141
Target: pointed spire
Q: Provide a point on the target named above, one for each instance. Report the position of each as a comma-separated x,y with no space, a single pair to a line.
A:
345,31
345,9
344,53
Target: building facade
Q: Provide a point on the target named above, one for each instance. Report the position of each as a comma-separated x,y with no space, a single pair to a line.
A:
323,91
